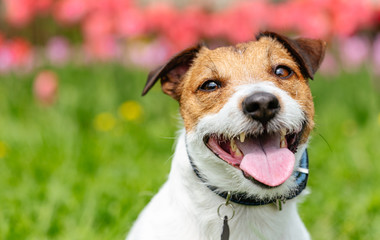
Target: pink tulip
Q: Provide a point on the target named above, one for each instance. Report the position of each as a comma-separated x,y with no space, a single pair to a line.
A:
57,50
329,65
130,22
70,11
43,5
19,12
348,16
236,26
45,87
21,51
5,59
283,20
354,51
315,21
149,55
110,6
96,25
245,20
102,48
160,16
15,54
186,31
214,27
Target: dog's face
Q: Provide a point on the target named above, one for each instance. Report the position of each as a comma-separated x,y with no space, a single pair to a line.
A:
247,110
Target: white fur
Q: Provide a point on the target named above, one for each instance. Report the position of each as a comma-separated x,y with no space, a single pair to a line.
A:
185,208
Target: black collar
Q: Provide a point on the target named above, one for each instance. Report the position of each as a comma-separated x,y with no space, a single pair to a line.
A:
240,198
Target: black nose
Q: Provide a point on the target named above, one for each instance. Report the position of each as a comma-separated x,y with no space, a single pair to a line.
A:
261,106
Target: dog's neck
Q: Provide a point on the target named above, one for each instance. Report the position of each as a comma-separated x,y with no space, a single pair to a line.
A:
201,204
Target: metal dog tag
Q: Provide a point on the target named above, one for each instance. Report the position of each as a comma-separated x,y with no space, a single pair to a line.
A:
226,229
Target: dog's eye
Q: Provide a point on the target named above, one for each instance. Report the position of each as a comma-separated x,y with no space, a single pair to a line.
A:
283,72
210,85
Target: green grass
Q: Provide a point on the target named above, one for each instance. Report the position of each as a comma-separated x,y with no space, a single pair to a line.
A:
345,199
61,178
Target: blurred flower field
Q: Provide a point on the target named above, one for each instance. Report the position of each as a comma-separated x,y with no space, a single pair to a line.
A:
81,152
34,33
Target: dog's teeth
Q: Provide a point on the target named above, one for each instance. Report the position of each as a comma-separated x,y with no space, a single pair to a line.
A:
235,151
242,137
283,132
283,142
233,145
238,153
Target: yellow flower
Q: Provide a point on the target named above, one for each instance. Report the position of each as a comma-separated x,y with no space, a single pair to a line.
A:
130,111
3,149
104,122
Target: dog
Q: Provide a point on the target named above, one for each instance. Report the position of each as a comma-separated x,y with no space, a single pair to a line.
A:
240,162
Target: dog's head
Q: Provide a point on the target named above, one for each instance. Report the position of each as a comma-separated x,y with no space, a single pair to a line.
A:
247,110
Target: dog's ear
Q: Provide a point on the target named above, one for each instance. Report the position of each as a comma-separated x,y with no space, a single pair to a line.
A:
172,72
308,53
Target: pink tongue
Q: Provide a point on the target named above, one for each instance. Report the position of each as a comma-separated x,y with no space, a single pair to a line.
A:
265,161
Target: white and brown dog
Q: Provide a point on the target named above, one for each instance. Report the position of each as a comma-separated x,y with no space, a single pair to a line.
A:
247,113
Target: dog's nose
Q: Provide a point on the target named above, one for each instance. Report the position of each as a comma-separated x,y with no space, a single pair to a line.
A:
261,106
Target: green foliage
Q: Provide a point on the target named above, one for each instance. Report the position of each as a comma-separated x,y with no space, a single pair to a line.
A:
62,178
344,155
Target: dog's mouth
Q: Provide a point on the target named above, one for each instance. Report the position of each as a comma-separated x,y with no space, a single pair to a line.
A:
267,159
